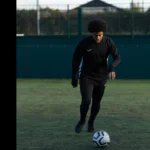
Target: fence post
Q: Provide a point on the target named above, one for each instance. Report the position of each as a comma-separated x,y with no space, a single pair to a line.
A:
80,21
38,18
68,22
132,20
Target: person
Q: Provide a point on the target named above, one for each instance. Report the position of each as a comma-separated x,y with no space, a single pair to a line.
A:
93,50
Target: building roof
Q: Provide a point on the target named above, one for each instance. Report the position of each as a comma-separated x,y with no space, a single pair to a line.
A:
98,3
148,10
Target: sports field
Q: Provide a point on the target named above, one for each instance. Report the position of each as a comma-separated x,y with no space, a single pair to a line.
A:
48,110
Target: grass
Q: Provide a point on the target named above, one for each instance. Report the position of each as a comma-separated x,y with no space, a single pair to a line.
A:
48,110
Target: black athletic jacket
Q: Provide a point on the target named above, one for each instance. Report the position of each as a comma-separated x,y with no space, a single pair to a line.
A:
94,56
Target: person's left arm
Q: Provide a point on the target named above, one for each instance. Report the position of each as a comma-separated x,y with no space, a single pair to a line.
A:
116,59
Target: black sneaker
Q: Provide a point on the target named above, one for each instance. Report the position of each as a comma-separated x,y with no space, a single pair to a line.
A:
79,126
90,127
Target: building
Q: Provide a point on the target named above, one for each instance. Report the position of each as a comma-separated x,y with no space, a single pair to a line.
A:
96,6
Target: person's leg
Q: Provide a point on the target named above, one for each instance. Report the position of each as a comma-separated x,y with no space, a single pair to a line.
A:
98,93
86,89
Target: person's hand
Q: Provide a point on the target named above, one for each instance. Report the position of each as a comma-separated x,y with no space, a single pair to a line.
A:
112,75
74,82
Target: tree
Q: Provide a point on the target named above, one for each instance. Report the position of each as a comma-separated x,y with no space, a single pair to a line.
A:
136,7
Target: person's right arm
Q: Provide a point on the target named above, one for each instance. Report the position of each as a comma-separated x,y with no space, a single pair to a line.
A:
77,56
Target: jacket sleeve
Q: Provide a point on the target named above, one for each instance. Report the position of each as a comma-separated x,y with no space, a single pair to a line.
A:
77,56
115,55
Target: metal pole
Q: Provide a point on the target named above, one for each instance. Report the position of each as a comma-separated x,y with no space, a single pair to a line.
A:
38,18
68,22
132,20
80,21
142,6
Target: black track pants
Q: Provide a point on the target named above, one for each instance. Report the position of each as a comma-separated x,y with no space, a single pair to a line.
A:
90,90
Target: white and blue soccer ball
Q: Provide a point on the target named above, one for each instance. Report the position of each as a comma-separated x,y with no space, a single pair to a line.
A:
101,139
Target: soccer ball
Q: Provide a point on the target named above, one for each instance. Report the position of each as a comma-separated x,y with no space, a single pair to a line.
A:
101,139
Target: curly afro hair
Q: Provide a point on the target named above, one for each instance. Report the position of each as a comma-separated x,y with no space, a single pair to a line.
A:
97,25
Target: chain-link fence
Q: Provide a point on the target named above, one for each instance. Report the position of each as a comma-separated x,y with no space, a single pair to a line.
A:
69,20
